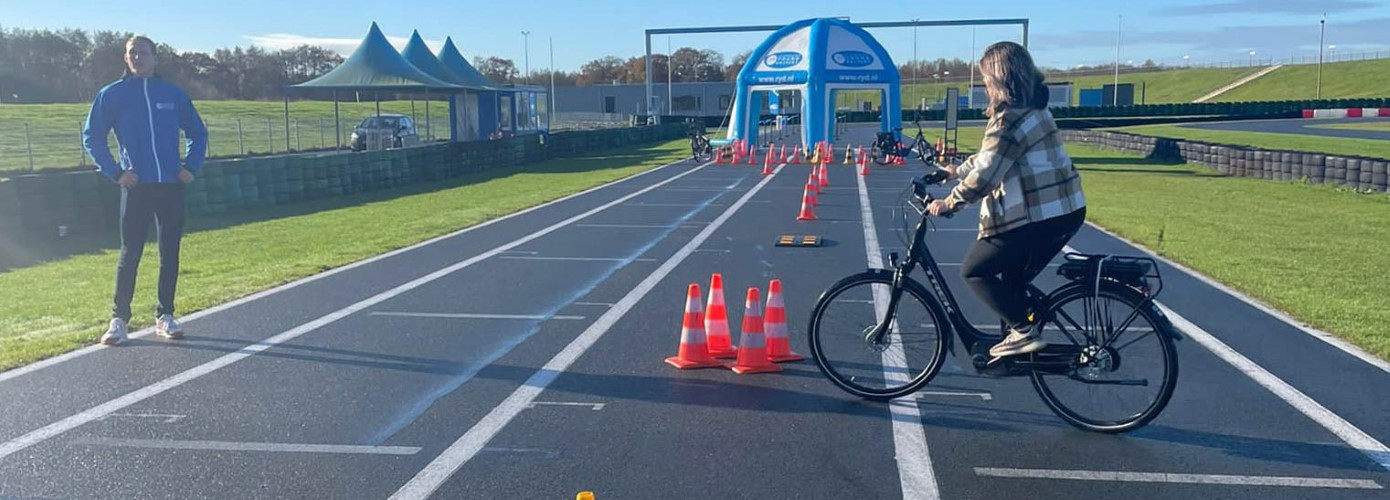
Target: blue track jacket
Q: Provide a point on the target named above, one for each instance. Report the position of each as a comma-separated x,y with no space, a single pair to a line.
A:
147,114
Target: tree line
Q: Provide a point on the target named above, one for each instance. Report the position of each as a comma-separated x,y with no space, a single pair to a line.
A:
70,65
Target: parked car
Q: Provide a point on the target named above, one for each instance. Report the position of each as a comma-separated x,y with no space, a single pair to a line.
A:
384,131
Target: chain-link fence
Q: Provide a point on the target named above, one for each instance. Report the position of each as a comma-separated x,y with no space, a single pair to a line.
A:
57,144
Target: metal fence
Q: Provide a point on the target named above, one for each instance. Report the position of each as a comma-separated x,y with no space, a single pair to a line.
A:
37,145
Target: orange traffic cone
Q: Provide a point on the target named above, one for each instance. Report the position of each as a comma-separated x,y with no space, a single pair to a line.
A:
863,164
808,200
718,156
752,152
752,344
721,345
784,154
824,176
813,183
796,155
767,163
693,352
779,349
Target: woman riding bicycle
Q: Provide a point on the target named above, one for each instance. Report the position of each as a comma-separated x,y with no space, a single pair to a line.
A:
1030,191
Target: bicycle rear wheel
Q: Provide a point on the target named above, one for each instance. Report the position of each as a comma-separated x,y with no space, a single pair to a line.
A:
1120,364
879,155
905,359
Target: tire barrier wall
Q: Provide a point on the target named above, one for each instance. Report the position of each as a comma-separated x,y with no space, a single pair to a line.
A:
1363,174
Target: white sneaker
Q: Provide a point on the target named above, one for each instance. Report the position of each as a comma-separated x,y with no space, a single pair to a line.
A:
115,333
1018,343
166,326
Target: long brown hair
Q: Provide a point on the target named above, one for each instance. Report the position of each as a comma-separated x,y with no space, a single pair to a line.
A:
1011,78
154,49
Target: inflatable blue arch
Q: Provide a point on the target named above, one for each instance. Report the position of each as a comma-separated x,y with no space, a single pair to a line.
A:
817,57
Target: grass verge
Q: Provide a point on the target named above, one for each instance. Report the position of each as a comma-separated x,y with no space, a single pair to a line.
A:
60,306
1380,126
1304,249
1288,142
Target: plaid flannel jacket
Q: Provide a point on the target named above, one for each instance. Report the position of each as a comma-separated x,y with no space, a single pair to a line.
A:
1022,173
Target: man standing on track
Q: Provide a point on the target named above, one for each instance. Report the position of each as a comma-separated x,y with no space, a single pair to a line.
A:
146,113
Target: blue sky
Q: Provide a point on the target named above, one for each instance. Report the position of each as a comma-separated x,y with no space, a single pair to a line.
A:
1063,33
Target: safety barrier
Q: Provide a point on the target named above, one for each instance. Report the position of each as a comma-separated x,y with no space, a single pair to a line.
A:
1355,172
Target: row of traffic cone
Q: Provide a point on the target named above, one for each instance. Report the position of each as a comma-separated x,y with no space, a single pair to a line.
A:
818,178
764,340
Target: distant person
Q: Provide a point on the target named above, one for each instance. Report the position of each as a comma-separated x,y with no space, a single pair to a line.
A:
1031,194
147,113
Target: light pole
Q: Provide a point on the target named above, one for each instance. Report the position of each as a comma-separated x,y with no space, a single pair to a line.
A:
670,70
1322,37
1252,58
914,55
970,92
552,76
1119,31
526,42
1184,61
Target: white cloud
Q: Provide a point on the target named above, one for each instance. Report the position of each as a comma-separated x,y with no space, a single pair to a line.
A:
343,46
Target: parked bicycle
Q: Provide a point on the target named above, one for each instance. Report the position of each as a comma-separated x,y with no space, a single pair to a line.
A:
880,334
886,147
700,148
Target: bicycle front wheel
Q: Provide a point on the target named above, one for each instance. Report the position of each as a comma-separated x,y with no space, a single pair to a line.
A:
1122,366
900,362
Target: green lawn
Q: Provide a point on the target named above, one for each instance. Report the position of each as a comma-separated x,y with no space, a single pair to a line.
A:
1312,263
1339,80
55,129
62,305
1290,142
1373,126
1163,87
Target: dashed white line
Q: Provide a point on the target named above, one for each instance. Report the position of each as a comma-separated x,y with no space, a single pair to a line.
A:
170,444
467,446
49,431
476,316
1162,477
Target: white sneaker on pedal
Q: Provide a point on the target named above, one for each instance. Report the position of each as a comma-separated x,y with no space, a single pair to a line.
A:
1018,343
166,326
116,333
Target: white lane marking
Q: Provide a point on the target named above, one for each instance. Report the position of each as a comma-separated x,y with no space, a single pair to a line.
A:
1163,477
909,434
1330,339
593,406
984,396
595,304
171,444
635,226
467,446
573,259
165,418
540,317
520,252
537,451
48,431
687,205
30,368
1349,434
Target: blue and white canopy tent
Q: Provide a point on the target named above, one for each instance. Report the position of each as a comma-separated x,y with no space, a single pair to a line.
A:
817,57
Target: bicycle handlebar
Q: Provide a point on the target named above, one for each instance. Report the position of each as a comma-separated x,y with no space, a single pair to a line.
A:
919,187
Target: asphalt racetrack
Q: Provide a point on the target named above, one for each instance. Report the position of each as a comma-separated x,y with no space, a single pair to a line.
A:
524,359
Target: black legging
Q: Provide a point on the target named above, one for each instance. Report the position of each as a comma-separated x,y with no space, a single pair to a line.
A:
163,205
1000,267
